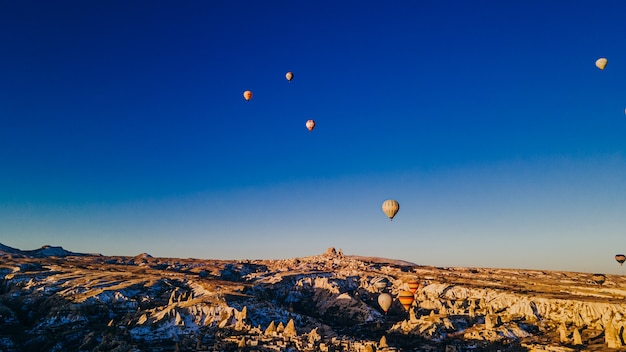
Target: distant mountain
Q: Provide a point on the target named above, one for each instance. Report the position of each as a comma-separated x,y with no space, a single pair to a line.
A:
7,249
45,251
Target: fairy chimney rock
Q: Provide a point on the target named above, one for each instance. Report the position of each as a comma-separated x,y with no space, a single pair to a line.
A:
577,338
563,333
271,329
383,342
290,329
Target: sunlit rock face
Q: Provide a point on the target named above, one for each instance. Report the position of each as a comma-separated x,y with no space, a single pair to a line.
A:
55,300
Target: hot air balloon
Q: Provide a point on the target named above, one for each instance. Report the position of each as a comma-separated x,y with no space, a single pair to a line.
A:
384,301
413,286
310,125
289,76
598,278
390,208
247,95
406,298
380,283
601,63
620,258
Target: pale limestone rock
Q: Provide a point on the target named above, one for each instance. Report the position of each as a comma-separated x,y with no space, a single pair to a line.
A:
179,321
412,317
331,252
222,324
488,322
244,313
290,329
579,322
448,324
271,329
383,342
563,333
280,328
242,343
577,338
314,336
173,299
610,336
240,316
239,325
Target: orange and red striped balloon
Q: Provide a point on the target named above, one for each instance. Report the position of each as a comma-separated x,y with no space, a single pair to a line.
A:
413,286
406,298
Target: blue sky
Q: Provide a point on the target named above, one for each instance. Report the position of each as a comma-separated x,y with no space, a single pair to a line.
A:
124,130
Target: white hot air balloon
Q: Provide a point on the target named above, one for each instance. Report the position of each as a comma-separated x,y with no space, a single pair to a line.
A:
384,301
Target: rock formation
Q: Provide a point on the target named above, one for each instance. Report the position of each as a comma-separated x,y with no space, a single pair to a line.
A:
323,303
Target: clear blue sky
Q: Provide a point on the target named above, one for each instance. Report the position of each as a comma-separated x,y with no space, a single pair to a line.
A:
123,129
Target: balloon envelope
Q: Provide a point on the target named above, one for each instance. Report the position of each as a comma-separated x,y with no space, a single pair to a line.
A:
384,301
310,125
620,258
601,63
247,95
390,208
413,286
289,76
406,298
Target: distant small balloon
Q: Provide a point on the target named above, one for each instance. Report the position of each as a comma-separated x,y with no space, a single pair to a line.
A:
620,258
289,76
601,63
310,125
390,208
247,95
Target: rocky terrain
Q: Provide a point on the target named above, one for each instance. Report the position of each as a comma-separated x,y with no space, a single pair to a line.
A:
55,300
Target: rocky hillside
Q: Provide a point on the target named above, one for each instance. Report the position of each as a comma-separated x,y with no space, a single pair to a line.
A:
61,301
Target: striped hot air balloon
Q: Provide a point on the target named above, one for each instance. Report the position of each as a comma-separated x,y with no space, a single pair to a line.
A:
413,286
390,208
406,298
620,258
